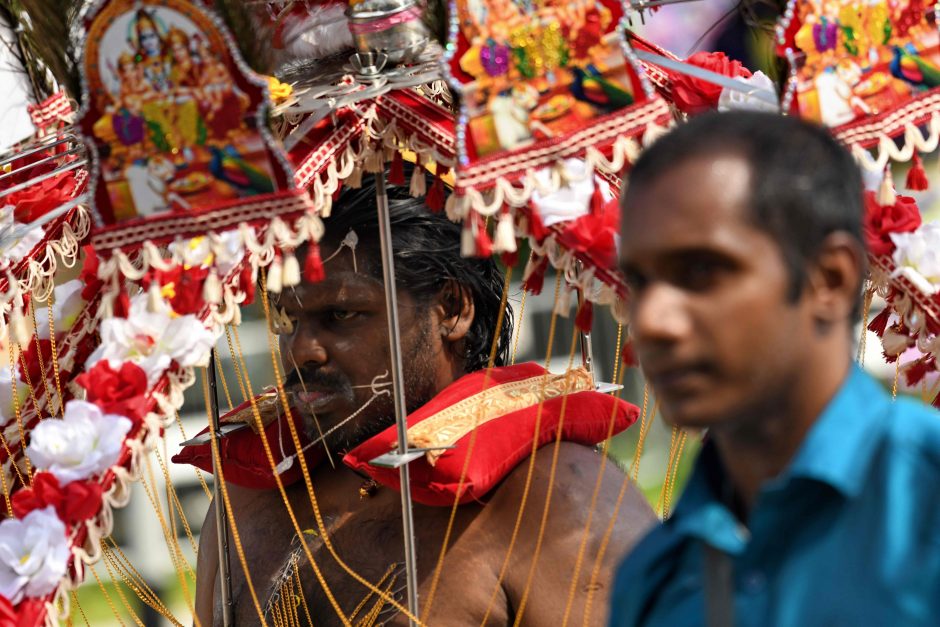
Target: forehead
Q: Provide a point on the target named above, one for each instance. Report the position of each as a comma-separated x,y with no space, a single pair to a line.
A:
701,202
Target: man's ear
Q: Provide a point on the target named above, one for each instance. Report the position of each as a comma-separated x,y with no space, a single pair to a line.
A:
456,311
835,279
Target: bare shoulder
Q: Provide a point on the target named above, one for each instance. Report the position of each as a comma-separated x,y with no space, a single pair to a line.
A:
576,514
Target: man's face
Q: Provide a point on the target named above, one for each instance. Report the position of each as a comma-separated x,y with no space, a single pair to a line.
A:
339,346
713,328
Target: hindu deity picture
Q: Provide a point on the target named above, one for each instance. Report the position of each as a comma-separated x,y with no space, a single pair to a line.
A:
538,72
863,58
173,130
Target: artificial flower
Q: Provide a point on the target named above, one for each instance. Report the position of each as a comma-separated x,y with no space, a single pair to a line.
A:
34,554
917,256
694,95
121,391
738,100
571,201
7,409
67,305
881,221
153,340
26,613
181,287
84,443
74,503
13,249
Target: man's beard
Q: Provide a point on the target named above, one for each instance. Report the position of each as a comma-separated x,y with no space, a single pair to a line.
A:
418,374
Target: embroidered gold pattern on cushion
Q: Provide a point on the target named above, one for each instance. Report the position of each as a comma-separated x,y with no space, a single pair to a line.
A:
445,428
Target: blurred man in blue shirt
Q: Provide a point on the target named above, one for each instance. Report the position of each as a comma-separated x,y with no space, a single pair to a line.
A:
815,499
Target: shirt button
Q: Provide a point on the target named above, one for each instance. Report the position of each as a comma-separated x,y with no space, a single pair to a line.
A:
754,582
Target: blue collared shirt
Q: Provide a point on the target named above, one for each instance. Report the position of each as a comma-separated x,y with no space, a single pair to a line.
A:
848,534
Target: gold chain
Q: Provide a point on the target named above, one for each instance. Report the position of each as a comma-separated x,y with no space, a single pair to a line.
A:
107,597
19,420
55,356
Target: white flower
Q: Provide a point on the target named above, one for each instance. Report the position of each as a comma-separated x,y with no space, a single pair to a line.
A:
197,252
569,202
67,305
86,442
34,554
152,340
7,410
12,248
736,100
917,256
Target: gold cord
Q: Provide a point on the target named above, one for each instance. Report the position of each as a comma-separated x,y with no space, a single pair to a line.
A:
55,356
173,497
551,485
617,356
439,565
75,603
266,445
223,488
202,480
862,341
107,597
897,375
19,419
120,593
176,553
519,319
146,596
646,420
530,470
292,428
303,598
579,560
672,471
42,365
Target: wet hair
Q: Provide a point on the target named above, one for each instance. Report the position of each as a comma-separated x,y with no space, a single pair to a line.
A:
804,185
426,247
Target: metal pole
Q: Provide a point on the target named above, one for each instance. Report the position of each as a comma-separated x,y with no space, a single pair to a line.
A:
394,342
221,518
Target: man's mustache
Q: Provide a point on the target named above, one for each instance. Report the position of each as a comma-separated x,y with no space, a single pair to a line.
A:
314,377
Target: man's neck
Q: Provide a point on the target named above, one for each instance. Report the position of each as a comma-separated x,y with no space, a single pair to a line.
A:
756,450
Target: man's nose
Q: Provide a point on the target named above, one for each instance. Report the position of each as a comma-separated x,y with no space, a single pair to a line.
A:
660,315
304,346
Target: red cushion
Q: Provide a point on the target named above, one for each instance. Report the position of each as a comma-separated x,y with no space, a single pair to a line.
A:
244,462
504,435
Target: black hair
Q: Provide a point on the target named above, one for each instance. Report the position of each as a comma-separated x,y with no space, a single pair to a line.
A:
804,184
426,247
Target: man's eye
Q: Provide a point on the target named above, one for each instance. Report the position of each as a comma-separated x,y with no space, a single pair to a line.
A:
635,281
701,275
341,315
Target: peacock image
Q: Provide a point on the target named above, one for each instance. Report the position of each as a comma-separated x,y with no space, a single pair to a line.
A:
590,86
909,66
228,166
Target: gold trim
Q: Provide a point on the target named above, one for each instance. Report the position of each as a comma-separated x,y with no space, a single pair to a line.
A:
448,426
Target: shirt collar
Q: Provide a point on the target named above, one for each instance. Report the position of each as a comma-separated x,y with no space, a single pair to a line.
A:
839,447
837,450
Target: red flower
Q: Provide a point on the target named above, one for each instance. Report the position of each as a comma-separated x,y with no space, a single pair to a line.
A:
694,95
27,613
76,502
595,234
122,392
880,221
41,198
183,287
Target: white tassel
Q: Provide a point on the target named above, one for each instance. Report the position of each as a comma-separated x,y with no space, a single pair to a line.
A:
291,273
236,315
419,186
19,330
315,228
563,302
504,239
530,267
212,289
468,245
327,207
886,194
354,180
275,272
620,311
154,298
375,161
